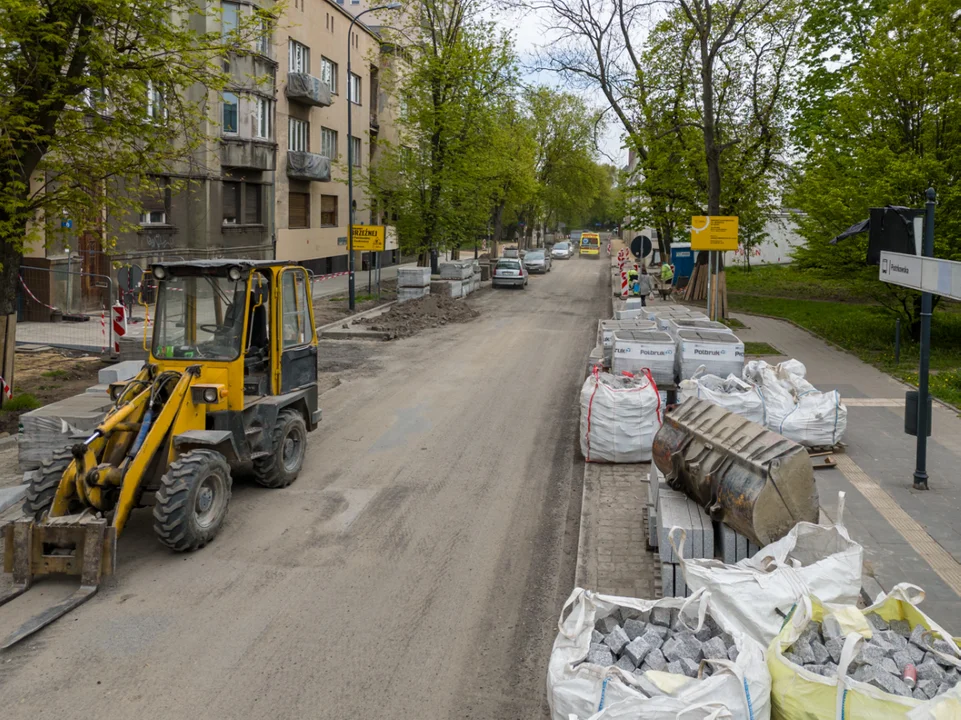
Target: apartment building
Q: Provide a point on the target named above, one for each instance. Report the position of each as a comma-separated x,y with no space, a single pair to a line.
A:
272,183
312,135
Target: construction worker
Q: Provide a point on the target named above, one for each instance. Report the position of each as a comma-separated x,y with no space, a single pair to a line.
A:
667,275
632,279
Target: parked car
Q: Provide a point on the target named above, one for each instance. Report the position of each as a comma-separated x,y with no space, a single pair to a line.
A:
511,253
562,250
537,261
509,272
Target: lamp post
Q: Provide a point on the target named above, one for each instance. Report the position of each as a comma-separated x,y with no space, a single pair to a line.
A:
352,300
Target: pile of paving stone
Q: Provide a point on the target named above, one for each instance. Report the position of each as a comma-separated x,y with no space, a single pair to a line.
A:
659,640
880,661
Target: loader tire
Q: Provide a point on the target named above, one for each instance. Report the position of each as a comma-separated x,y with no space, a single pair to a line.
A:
288,447
44,483
192,501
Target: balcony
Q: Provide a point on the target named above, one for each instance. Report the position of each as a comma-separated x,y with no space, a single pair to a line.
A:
308,166
307,90
246,153
374,122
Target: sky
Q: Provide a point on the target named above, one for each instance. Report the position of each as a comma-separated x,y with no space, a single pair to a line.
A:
530,35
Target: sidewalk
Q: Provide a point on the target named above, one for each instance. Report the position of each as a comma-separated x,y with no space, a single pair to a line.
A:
908,535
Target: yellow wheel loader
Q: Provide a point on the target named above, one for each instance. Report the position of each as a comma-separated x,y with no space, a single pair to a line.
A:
230,384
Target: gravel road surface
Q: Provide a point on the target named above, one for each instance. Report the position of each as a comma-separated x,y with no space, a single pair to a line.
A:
415,569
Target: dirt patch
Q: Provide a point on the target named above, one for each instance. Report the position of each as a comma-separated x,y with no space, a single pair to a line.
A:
49,376
433,311
333,308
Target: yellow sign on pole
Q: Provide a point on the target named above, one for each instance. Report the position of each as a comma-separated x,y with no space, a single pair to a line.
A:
368,238
714,233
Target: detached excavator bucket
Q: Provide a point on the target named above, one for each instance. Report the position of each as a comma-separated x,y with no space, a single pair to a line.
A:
755,481
73,545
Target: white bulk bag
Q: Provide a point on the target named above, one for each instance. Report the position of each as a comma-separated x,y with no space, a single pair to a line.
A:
778,400
819,418
731,393
809,560
576,688
619,417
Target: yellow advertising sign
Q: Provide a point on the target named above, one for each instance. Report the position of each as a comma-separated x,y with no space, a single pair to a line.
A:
368,238
714,233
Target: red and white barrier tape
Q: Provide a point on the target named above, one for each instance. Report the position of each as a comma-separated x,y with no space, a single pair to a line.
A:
318,278
34,297
5,389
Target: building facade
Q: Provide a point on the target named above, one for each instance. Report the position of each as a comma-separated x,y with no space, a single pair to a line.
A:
273,181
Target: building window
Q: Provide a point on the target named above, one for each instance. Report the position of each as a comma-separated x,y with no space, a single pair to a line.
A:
328,73
298,57
229,12
252,204
298,210
229,119
353,92
355,151
328,211
153,217
231,193
328,143
264,114
298,135
155,103
263,39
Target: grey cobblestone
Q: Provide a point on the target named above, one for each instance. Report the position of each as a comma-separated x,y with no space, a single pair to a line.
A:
613,536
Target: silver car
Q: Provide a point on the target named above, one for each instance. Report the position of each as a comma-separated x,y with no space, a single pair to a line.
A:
537,261
562,250
509,272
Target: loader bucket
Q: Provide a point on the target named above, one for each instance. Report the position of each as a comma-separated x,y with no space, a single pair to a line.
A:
753,480
73,545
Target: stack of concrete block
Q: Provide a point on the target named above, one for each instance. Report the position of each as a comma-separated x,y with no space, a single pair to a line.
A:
413,283
658,640
676,510
58,425
635,350
663,317
733,546
692,323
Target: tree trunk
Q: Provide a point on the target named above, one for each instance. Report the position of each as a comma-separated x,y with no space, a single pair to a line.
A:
10,258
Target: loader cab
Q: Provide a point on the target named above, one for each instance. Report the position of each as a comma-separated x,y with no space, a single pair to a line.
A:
249,323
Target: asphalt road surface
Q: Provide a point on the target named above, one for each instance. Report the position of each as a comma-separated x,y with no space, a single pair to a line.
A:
416,568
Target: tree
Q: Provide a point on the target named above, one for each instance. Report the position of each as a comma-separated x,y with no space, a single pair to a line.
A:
96,97
460,73
889,127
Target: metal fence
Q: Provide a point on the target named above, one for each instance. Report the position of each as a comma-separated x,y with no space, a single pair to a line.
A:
65,309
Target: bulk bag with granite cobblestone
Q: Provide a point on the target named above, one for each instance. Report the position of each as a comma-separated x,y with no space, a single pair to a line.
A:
653,660
731,393
839,662
619,417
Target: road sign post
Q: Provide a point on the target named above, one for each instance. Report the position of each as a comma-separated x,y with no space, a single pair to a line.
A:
931,276
713,234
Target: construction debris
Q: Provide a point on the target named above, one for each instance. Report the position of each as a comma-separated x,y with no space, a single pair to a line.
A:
412,317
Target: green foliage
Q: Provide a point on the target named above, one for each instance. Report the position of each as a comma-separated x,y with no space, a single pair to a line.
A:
80,137
58,374
20,403
793,281
879,131
760,348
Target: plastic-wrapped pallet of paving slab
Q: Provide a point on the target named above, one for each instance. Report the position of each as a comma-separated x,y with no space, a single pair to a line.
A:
731,393
754,594
652,660
720,353
635,350
606,328
415,277
672,325
845,663
456,270
619,417
664,321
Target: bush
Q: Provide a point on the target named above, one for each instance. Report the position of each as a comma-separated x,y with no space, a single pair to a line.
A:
20,403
